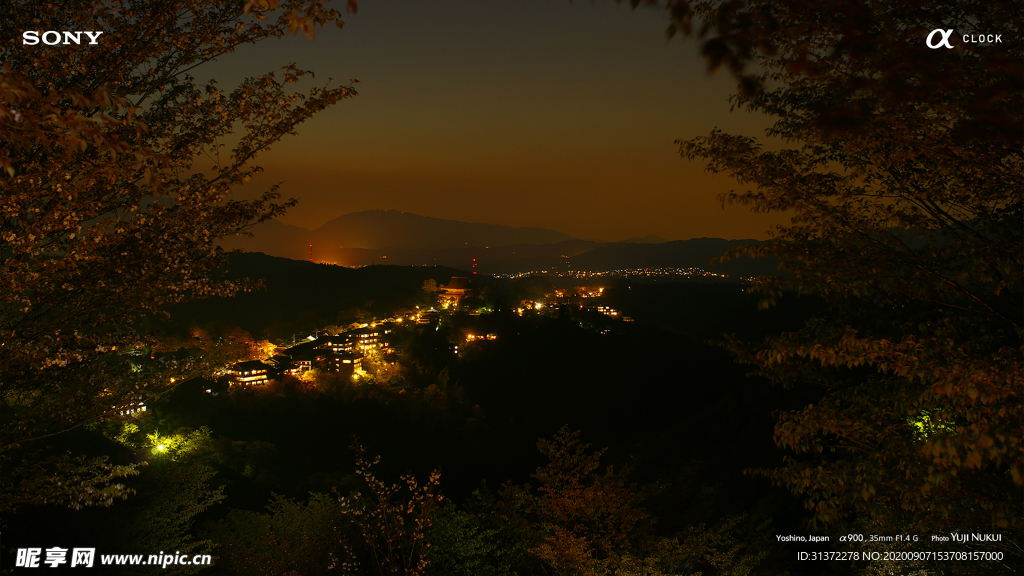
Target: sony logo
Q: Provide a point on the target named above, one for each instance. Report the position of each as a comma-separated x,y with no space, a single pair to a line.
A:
54,37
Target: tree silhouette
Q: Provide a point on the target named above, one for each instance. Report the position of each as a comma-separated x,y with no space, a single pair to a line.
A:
900,166
117,167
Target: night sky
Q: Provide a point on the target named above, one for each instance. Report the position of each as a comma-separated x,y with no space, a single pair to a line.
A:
528,113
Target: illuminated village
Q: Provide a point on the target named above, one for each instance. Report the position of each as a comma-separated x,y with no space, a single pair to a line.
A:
360,349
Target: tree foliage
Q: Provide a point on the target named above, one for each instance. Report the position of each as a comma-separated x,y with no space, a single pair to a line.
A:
389,523
117,172
722,550
289,538
901,168
173,490
579,519
582,519
461,544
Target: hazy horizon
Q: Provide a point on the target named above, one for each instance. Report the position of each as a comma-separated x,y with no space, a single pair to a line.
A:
545,114
636,237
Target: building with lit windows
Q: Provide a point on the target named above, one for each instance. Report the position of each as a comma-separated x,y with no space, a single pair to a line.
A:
301,363
250,373
133,404
346,361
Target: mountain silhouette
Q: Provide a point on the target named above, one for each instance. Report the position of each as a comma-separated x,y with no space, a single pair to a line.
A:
400,238
384,230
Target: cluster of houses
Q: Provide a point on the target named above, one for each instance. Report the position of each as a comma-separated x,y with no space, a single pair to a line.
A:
572,295
554,307
342,352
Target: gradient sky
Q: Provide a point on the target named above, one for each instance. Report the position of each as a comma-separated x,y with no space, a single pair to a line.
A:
542,113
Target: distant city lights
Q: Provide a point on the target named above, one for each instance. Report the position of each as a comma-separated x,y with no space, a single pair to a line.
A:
693,272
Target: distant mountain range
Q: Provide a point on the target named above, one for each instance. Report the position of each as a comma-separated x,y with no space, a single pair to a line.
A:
401,238
646,240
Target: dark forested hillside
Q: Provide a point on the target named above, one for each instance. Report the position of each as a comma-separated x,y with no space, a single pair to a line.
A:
300,296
